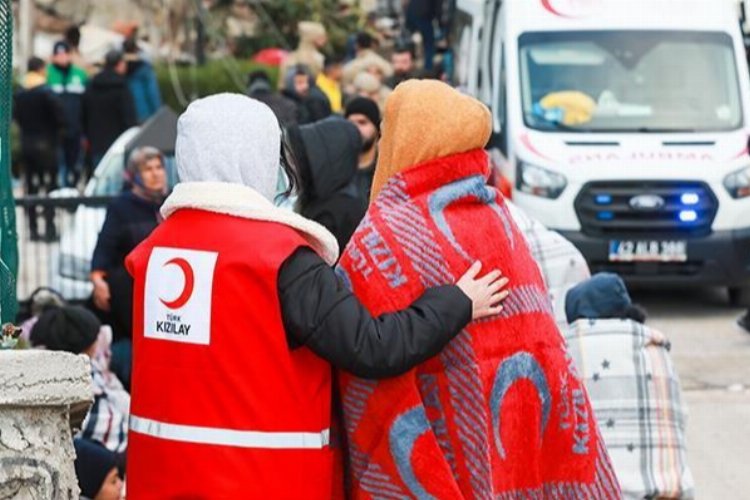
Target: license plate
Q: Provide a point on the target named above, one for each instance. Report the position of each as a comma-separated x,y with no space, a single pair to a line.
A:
647,251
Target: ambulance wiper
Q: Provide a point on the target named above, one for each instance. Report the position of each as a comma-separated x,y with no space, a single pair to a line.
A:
655,130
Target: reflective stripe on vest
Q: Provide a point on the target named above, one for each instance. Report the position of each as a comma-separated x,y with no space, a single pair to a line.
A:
230,437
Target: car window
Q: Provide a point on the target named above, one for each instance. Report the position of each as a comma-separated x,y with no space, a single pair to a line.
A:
109,176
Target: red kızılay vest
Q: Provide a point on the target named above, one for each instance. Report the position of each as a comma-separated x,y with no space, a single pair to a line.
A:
221,407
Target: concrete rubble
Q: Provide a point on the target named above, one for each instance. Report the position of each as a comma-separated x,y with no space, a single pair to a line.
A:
39,391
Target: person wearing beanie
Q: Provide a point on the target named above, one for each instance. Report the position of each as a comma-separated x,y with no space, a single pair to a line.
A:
238,318
68,328
108,106
97,471
364,113
68,81
326,153
500,412
76,330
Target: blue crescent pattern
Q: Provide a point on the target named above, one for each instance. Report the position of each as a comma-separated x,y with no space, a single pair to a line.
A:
402,437
519,366
471,186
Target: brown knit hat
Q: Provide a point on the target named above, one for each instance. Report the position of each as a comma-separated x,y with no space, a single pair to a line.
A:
425,120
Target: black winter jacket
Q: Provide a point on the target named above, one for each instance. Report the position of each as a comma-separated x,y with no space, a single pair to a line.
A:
128,222
320,313
40,115
108,110
311,108
327,154
283,107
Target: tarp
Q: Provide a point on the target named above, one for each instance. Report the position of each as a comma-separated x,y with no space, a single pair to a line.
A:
160,131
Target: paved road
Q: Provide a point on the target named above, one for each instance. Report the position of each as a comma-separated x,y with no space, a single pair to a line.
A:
713,358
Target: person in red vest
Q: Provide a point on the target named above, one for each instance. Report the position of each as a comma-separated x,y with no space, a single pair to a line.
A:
238,319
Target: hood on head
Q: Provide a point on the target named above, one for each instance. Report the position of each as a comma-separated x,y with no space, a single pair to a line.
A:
604,296
329,155
425,120
289,79
229,138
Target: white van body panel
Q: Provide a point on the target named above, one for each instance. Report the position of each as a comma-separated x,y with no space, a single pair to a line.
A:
491,69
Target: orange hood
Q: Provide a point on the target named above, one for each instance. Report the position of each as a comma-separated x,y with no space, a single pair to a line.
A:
425,120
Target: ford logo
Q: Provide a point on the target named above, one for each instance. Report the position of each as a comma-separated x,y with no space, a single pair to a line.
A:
647,202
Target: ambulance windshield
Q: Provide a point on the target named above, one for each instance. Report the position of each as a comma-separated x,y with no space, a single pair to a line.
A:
629,81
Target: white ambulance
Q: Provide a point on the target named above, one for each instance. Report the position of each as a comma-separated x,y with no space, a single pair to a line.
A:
624,125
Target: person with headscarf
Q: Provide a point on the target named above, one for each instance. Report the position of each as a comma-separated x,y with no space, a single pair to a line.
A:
501,412
238,319
130,219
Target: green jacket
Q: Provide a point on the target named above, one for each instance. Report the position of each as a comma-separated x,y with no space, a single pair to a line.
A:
69,86
74,82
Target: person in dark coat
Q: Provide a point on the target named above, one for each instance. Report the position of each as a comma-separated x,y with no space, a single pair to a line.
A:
326,154
312,103
41,117
259,88
130,219
420,17
365,114
108,108
142,82
68,82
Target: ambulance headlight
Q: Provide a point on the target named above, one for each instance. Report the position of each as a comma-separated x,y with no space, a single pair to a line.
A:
539,181
738,183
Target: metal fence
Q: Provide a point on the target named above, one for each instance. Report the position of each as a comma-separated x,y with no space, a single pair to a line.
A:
56,250
8,255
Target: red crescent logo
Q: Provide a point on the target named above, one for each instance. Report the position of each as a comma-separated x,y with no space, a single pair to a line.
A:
548,5
572,9
187,291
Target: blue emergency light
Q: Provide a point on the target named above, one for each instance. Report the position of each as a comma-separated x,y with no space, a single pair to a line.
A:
690,199
603,199
688,216
605,215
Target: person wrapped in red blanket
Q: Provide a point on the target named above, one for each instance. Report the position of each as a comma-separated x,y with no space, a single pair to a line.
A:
501,412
